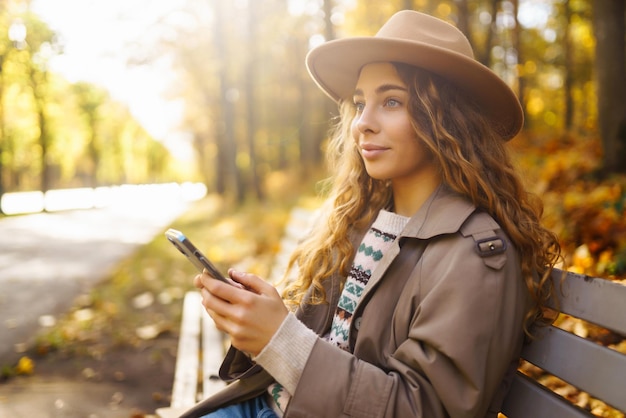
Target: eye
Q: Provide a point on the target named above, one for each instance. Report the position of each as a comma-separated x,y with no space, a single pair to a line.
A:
392,103
359,106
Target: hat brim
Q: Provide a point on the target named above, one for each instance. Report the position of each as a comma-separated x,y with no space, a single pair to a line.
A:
335,67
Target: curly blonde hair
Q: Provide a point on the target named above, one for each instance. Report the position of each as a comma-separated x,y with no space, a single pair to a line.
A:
474,162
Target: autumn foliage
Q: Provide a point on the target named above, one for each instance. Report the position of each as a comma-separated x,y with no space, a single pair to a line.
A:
583,206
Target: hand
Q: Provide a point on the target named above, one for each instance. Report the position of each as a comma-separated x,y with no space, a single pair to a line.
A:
250,315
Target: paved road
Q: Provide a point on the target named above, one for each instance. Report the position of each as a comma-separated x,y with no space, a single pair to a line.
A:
48,259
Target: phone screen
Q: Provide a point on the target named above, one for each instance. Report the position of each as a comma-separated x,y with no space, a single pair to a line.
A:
194,255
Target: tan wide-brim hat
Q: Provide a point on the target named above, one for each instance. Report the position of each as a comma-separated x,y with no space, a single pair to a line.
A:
424,41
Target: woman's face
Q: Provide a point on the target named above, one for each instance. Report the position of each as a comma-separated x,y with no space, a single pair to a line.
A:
382,128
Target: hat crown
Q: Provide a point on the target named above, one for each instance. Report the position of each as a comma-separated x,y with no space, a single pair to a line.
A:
418,27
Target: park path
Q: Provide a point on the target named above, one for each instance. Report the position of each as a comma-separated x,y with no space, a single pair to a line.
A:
48,259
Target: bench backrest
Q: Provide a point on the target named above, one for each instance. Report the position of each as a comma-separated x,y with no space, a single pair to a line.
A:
586,365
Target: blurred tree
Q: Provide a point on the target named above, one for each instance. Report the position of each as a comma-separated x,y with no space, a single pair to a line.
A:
111,139
250,83
463,19
609,28
90,98
517,45
568,74
247,82
12,37
197,65
312,147
5,47
228,96
42,139
41,44
485,56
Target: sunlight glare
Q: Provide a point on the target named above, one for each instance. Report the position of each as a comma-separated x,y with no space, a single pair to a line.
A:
316,40
23,202
303,7
534,14
65,199
136,195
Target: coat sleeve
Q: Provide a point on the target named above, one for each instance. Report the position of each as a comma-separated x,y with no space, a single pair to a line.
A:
463,329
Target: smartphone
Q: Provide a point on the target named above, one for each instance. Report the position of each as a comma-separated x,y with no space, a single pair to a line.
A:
194,255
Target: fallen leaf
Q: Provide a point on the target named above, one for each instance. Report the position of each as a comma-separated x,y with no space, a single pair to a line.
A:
143,300
25,366
148,332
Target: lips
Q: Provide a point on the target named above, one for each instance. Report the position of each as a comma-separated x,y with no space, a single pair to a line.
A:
370,151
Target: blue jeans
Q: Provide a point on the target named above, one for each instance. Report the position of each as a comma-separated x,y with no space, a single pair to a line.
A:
253,408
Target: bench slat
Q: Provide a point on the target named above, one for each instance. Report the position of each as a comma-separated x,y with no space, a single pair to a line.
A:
590,367
187,361
212,355
528,398
595,300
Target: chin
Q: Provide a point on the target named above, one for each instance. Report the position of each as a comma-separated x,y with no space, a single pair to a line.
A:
377,176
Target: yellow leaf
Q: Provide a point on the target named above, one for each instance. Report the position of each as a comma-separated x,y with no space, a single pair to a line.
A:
25,366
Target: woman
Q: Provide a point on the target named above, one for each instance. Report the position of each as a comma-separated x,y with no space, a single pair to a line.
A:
414,293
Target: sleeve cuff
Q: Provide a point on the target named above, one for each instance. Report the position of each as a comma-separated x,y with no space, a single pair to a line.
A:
285,356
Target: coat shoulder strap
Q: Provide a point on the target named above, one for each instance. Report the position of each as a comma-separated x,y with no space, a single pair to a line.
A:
490,241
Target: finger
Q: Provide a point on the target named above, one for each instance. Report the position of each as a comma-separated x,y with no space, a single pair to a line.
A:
206,277
214,304
197,281
213,308
249,281
225,291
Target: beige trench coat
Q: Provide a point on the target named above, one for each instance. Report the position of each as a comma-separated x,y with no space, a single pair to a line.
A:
433,336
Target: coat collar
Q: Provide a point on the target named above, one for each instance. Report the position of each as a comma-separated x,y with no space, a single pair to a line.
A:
443,213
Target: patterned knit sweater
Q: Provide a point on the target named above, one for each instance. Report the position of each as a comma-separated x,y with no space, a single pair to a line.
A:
378,239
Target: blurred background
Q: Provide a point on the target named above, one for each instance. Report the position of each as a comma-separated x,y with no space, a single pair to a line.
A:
101,93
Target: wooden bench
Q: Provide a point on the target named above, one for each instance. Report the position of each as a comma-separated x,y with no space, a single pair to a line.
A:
586,365
201,347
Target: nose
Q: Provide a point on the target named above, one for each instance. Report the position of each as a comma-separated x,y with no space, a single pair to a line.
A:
365,121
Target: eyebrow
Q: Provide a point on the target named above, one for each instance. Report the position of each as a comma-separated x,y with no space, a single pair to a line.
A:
382,89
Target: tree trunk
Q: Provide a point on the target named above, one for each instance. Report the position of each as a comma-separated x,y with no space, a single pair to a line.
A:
464,19
517,44
250,82
330,109
92,148
609,28
44,140
227,176
569,75
2,135
485,58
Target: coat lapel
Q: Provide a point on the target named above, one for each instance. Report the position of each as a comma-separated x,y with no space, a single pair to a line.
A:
444,212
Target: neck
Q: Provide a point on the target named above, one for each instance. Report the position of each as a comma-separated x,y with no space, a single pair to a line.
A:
409,196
